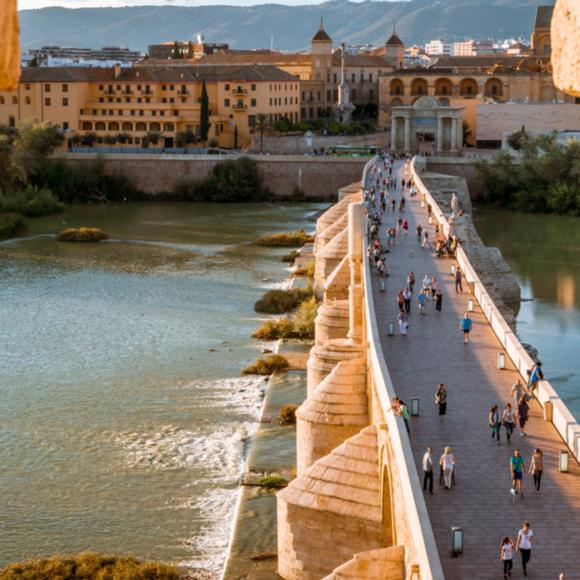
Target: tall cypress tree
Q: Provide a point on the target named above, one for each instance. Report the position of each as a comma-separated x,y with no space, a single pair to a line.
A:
204,114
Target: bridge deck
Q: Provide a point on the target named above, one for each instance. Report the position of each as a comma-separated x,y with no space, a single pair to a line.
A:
480,502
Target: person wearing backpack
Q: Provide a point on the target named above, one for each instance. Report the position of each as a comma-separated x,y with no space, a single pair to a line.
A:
517,468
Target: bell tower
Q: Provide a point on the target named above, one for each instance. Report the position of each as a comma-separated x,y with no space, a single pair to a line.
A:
321,50
395,50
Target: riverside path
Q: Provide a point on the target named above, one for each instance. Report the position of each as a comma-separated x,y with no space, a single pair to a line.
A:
480,501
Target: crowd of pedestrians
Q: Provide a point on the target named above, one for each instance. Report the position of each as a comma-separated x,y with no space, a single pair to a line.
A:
386,211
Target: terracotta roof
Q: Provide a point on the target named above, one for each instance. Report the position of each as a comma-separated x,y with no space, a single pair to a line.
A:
543,16
175,74
273,58
394,41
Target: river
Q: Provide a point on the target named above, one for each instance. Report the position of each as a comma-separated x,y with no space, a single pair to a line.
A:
544,253
124,416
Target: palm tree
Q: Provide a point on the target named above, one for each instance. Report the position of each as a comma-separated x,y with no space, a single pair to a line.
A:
262,125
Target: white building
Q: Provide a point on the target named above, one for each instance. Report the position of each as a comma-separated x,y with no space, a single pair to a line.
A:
438,48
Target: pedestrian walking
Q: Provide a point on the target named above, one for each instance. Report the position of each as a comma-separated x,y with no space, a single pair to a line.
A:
426,285
537,467
465,325
509,421
393,204
433,287
438,300
422,301
518,390
441,399
506,555
405,226
524,545
458,281
493,420
403,323
428,470
411,281
447,462
426,243
517,469
536,375
419,232
523,411
401,301
407,295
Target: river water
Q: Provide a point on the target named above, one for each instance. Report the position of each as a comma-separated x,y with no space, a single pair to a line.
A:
544,253
120,430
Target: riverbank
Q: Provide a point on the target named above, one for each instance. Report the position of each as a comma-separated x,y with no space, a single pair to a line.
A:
271,453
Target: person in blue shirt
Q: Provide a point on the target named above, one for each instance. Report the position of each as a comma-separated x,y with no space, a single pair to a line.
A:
466,324
422,300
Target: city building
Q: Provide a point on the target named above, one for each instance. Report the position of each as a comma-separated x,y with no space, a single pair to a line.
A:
438,48
142,100
470,81
67,56
186,49
473,48
319,70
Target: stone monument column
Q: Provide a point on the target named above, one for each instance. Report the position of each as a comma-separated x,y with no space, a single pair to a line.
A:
439,133
407,146
393,132
454,134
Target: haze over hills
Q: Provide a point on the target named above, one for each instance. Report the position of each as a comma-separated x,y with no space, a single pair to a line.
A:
289,27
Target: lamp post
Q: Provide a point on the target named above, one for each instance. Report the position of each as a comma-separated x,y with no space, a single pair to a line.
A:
470,305
564,461
414,406
456,541
391,329
501,361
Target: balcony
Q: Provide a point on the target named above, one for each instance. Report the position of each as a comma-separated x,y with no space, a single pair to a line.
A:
239,91
239,107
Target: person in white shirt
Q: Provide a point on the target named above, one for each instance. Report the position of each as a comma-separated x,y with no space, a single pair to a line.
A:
506,555
524,545
447,462
428,470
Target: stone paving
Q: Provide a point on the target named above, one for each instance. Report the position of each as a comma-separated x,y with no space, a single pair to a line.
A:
480,501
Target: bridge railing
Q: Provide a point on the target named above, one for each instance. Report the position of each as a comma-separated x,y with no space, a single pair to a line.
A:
412,502
562,419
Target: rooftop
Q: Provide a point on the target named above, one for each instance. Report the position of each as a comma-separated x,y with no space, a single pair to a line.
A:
543,16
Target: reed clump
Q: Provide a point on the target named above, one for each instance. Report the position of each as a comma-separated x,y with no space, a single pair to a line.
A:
285,240
273,482
11,224
267,365
280,301
299,324
83,235
290,256
287,414
307,271
88,565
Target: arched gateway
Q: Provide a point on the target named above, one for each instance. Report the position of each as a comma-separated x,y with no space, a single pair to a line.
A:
427,125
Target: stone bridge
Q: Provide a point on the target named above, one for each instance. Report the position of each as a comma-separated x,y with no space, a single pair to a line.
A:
357,508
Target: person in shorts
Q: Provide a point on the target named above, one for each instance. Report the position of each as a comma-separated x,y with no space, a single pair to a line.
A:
466,324
517,468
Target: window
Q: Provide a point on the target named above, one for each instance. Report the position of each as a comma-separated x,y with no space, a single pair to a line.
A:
65,126
47,88
27,86
253,102
371,94
101,87
65,102
141,113
132,112
110,89
110,100
154,113
164,99
270,101
14,100
65,88
172,99
370,77
118,87
285,100
120,112
227,87
139,100
27,100
127,99
138,87
227,101
1,100
47,102
163,87
118,100
162,113
362,77
147,100
251,120
11,121
101,100
328,95
353,78
169,127
171,87
318,96
253,87
334,78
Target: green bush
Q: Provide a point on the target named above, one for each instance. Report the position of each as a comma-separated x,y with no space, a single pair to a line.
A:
279,301
273,482
31,202
82,235
286,240
300,324
231,181
11,224
88,566
287,414
267,365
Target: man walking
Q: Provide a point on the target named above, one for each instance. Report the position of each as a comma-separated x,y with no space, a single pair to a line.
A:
466,324
524,545
428,470
458,280
517,468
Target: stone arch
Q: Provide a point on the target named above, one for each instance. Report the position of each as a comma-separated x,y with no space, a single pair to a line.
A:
494,88
87,126
127,126
443,87
397,87
397,102
386,495
169,127
113,126
444,101
154,127
100,126
419,87
468,87
141,126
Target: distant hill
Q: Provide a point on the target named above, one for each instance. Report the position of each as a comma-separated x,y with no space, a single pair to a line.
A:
290,27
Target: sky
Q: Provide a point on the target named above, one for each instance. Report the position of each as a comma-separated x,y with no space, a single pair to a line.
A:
30,4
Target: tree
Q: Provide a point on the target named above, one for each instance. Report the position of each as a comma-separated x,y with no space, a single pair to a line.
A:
123,137
154,137
176,53
283,125
190,51
518,140
466,129
110,139
235,136
34,143
262,125
204,124
33,62
89,139
213,142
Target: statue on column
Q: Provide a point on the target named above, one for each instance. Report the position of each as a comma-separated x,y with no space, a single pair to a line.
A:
454,205
343,110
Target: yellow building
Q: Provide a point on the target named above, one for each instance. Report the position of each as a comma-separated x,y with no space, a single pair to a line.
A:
470,81
136,101
318,70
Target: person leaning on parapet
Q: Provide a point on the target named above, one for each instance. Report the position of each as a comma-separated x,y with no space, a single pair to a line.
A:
536,375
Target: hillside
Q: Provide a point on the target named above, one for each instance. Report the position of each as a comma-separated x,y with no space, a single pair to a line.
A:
291,27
